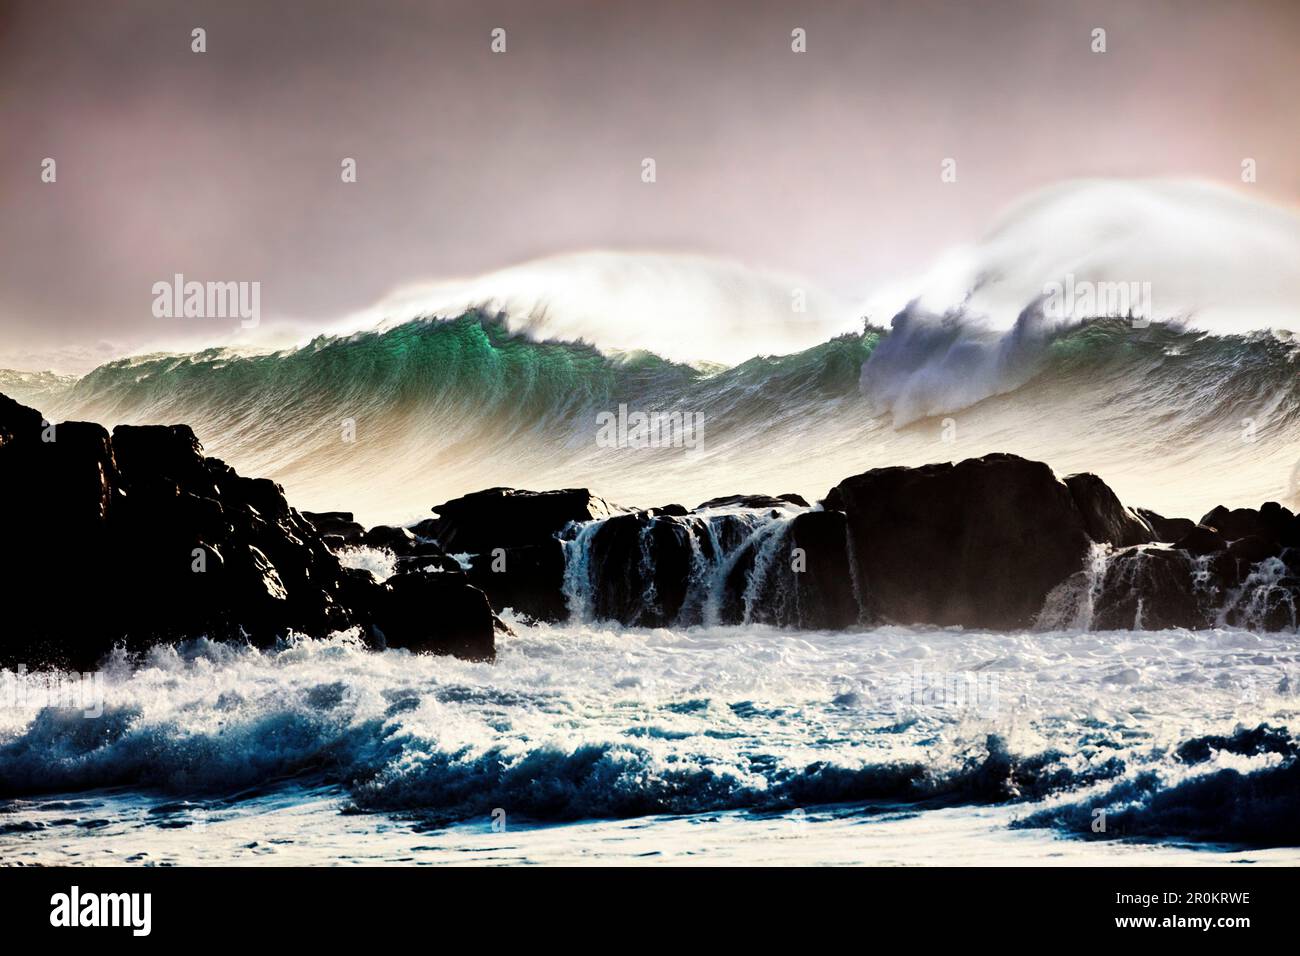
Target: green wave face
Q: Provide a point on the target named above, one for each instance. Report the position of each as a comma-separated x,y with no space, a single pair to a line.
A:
389,423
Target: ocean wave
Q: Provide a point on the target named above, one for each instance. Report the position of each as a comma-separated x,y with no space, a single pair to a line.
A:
624,780
1256,804
588,722
387,424
1217,259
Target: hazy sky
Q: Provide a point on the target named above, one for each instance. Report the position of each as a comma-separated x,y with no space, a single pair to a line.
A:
226,165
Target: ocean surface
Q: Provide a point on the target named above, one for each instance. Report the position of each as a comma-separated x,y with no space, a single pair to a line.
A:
710,744
707,745
391,422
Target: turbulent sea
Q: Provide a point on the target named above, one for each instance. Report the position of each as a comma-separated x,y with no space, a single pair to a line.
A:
1173,419
709,745
587,743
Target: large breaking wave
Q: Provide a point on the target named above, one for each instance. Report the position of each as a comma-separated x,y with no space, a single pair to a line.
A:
1174,419
576,724
1199,408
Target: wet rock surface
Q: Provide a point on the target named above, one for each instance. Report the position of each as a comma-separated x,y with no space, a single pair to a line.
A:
136,537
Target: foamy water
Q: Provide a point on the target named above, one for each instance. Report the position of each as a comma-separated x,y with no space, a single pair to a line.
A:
583,744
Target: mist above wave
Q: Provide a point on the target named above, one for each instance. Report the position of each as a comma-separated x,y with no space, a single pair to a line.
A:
684,308
1216,259
1188,254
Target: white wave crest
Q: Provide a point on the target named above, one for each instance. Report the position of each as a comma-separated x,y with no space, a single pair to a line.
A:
682,307
1205,257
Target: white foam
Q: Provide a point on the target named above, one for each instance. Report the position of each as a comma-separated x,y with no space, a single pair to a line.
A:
682,307
1222,258
974,326
587,720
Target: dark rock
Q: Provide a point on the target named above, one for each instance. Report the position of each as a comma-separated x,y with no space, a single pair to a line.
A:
824,592
1290,535
1201,541
1278,608
639,569
1106,520
18,421
324,521
1277,521
752,502
655,568
979,544
511,518
768,581
438,614
527,580
78,467
673,511
1148,588
338,527
139,538
428,556
400,541
1237,523
167,451
428,528
1166,530
1265,600
1253,549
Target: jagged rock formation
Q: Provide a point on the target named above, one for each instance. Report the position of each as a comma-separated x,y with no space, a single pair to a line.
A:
138,537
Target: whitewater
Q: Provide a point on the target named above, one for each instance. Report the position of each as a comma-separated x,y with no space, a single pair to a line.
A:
1173,419
591,743
503,380
706,745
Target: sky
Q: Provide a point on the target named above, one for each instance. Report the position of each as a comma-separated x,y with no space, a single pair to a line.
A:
225,165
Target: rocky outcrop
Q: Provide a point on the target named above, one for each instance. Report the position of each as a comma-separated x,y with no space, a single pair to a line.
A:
338,528
980,543
737,559
507,517
796,574
435,612
1165,530
825,592
510,540
1271,521
137,537
1235,523
1201,541
528,580
1105,519
995,542
1203,580
1152,589
640,567
753,502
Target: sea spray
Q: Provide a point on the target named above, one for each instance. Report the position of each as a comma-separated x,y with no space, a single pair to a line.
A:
446,407
1261,603
735,571
602,721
